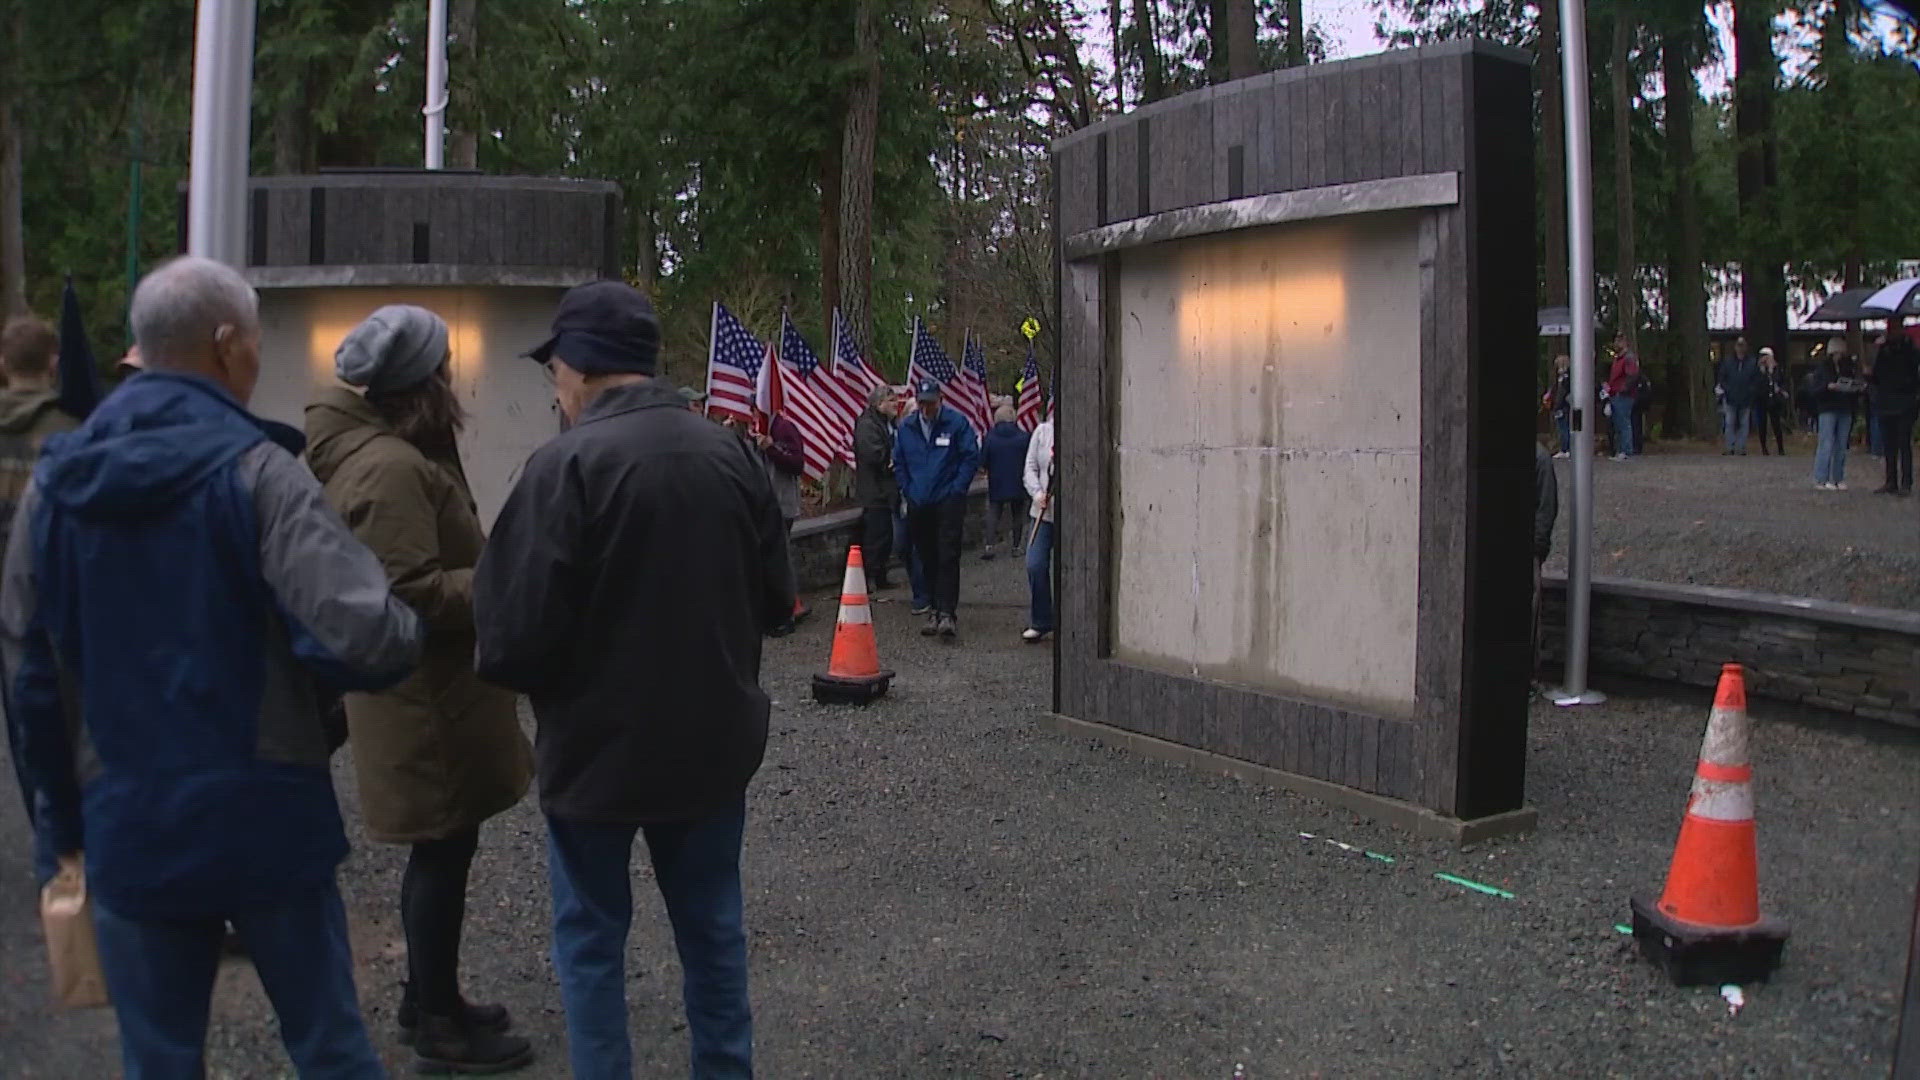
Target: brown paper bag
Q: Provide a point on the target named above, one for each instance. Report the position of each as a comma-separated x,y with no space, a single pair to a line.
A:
73,954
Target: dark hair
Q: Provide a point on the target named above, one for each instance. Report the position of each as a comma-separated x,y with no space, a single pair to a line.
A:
28,346
427,414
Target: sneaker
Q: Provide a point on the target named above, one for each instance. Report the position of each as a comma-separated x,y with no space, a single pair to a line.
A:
947,626
1841,486
447,1044
1030,635
489,1017
932,627
1561,456
1818,486
921,609
1619,457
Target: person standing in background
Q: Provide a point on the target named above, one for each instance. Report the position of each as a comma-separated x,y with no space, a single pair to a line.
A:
1005,455
1560,403
785,450
1835,388
1037,476
1622,380
1771,403
935,457
1737,382
442,752
874,486
1896,387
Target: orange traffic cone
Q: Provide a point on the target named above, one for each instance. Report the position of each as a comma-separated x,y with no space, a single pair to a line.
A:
1707,927
853,673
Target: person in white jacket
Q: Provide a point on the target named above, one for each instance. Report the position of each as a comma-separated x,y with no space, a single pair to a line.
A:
1039,483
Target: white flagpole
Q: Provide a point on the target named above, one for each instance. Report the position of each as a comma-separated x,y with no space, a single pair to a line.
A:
218,146
1573,68
436,110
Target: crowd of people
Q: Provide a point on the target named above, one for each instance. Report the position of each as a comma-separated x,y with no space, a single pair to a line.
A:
199,607
1758,397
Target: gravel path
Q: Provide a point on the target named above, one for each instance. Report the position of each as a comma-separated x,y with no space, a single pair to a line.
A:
939,888
1683,513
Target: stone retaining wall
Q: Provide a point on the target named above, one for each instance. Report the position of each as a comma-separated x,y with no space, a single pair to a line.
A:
1840,657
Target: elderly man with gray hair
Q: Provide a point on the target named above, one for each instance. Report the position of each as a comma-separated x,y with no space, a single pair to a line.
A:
177,600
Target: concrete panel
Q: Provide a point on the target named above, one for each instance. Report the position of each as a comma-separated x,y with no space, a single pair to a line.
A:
1267,459
510,409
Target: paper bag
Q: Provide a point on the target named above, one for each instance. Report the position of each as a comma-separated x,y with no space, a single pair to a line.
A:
73,955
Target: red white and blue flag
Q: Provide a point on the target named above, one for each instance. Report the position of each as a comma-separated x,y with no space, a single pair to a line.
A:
735,366
1029,408
798,390
930,362
849,369
975,401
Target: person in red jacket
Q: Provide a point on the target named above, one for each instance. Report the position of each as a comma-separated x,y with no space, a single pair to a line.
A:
1620,394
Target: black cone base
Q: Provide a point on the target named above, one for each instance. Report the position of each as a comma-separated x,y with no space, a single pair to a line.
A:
833,690
1705,955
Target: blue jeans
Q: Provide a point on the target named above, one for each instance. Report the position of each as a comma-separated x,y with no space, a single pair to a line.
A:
1876,443
697,866
1040,577
1622,415
160,974
910,555
1562,425
1830,457
1737,418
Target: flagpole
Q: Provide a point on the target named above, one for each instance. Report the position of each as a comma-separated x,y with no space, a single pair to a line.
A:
713,342
1573,68
218,144
436,110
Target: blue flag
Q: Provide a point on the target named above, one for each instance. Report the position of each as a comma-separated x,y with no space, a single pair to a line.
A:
79,379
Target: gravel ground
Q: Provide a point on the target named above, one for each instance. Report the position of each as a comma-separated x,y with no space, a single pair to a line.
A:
1684,513
937,887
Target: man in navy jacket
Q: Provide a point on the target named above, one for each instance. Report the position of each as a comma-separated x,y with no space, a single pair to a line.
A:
935,457
178,599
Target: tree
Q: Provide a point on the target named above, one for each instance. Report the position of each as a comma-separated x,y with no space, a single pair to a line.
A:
1626,265
1690,379
1296,33
855,248
1553,156
1762,265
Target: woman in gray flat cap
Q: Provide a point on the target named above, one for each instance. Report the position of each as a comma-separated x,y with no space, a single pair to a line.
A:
441,752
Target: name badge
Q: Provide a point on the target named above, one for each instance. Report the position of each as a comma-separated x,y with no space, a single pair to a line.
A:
944,440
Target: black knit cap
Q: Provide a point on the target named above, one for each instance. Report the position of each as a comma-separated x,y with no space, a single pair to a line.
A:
604,328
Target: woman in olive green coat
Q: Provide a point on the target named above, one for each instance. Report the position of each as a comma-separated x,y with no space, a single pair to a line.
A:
441,752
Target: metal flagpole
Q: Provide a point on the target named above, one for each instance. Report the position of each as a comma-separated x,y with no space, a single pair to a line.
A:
222,97
1573,68
436,110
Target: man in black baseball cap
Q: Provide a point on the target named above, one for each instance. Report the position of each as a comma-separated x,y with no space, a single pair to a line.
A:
625,590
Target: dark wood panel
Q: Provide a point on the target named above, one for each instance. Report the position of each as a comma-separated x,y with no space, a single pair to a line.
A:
1123,173
1181,161
1315,136
1413,159
1073,171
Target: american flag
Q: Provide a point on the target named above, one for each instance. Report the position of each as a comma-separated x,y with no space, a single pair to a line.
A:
930,361
849,370
1028,411
973,398
800,357
825,432
734,366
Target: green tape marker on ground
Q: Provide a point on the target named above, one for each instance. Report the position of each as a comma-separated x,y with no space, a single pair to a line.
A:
1475,886
1623,928
1377,855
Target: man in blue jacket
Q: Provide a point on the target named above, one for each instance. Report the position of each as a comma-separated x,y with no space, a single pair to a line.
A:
177,598
935,456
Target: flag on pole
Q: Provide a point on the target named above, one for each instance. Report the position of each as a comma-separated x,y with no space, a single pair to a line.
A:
1027,411
734,366
847,403
976,402
798,397
930,361
79,379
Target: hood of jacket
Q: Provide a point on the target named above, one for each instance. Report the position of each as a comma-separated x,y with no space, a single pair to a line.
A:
152,441
339,422
20,410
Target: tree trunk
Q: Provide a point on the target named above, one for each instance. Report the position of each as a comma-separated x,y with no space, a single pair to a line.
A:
647,254
1689,397
1243,53
1553,154
293,129
1763,306
1219,41
13,248
463,110
1153,76
1119,65
831,182
1626,270
856,187
1296,33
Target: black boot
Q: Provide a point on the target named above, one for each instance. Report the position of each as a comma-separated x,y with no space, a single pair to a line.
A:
485,1017
446,1044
